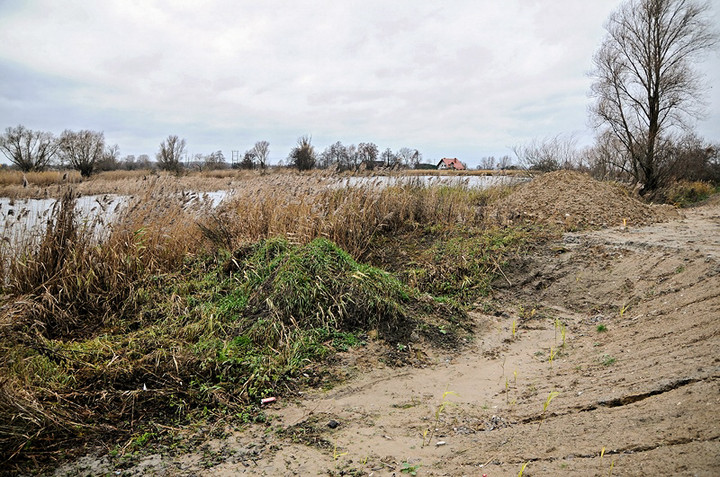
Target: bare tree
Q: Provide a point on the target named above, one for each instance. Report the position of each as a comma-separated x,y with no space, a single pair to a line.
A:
549,154
487,163
645,86
335,154
696,160
82,149
368,153
110,160
170,154
405,156
504,162
143,162
388,157
302,155
28,150
214,161
353,156
262,152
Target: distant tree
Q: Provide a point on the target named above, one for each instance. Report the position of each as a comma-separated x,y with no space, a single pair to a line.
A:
487,163
388,157
696,160
645,85
129,162
335,154
82,149
302,155
249,160
368,153
405,156
28,150
416,158
143,162
550,154
214,161
262,152
354,157
110,160
170,154
504,162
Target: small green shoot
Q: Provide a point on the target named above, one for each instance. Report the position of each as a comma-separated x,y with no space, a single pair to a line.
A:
623,309
522,469
553,353
513,328
562,334
410,469
601,328
507,388
428,434
550,397
515,377
607,360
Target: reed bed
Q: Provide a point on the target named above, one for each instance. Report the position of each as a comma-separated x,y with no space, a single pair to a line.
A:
178,311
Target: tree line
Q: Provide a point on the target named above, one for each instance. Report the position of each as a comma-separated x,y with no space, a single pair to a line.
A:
87,152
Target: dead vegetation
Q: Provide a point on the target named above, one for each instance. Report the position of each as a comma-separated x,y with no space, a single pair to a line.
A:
179,313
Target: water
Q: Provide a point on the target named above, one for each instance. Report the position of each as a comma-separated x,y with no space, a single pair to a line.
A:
480,182
22,219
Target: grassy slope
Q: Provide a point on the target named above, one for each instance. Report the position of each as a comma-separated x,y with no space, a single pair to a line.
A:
147,330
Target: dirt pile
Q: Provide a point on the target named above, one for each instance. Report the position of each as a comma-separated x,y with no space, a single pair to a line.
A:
576,201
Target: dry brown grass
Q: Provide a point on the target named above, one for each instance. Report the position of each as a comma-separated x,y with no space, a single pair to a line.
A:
78,337
303,208
50,183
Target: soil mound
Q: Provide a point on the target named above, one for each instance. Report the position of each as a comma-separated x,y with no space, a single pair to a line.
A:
577,201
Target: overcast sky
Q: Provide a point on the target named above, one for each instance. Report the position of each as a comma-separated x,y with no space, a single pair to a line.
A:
461,79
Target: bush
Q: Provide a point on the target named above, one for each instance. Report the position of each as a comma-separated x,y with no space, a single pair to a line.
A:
684,193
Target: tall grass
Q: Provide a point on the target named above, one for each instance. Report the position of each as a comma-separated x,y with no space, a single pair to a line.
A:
350,217
176,308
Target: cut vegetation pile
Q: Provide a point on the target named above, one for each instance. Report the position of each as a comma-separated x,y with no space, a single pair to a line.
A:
574,201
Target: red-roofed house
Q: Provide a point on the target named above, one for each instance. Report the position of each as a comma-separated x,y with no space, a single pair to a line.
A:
453,164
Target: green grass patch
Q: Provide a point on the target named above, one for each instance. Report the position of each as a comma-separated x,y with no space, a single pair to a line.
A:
209,340
457,264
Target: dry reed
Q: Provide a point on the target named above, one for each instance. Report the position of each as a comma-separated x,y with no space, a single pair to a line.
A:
82,333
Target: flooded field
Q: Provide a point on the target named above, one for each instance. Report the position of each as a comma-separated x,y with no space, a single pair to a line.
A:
24,219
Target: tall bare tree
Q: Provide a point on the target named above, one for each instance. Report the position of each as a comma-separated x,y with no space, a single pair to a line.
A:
645,85
29,150
82,149
487,163
388,157
368,153
335,154
170,154
262,152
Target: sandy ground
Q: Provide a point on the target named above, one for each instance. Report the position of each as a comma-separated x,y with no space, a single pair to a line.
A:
646,389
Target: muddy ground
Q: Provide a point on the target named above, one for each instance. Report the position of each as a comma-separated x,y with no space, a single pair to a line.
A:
638,376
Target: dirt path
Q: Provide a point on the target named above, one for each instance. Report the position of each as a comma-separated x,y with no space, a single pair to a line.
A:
638,375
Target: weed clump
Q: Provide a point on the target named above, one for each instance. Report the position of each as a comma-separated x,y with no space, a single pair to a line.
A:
321,285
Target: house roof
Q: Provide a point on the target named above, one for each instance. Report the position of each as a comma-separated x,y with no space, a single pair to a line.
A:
453,163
